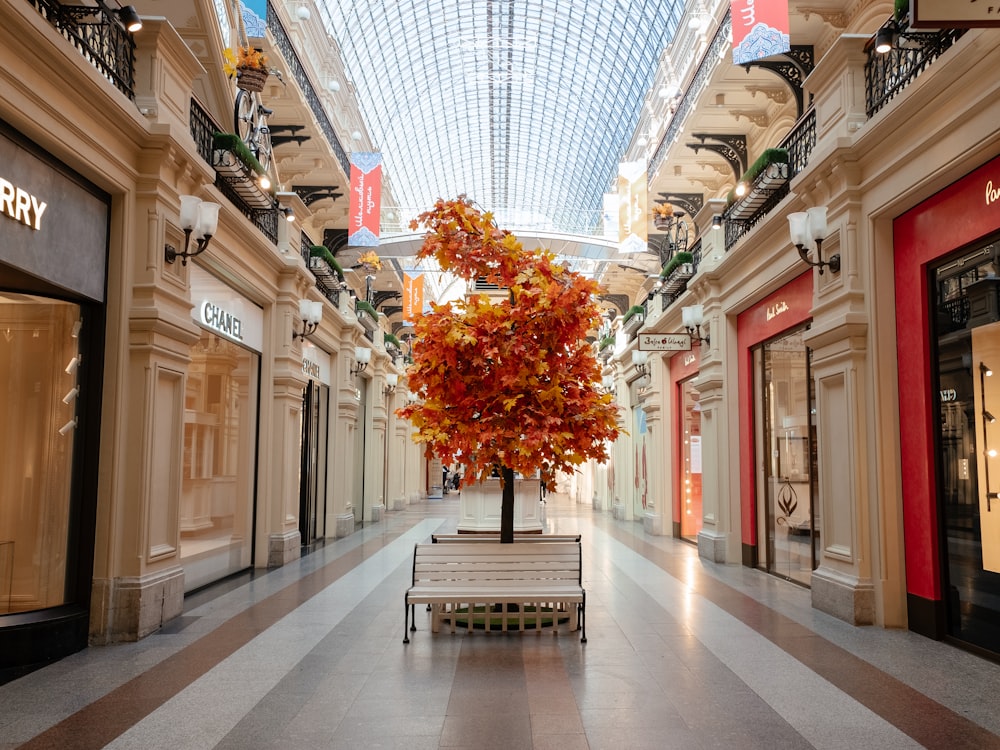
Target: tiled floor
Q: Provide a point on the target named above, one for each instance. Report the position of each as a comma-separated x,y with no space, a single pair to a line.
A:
680,654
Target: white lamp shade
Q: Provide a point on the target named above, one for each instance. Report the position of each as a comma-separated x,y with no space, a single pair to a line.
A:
363,354
639,358
608,382
697,313
816,220
208,219
392,380
333,85
305,308
189,211
686,317
317,311
797,227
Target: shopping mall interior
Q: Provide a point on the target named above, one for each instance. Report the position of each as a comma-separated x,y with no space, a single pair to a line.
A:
215,289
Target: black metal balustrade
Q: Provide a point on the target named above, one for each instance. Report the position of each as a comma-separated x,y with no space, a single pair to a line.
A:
668,298
912,53
799,143
99,36
203,129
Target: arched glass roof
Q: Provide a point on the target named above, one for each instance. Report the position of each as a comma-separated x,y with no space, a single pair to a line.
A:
526,106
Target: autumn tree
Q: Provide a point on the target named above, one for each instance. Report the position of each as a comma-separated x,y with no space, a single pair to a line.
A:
509,383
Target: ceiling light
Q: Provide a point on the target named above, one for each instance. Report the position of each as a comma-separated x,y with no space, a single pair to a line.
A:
130,19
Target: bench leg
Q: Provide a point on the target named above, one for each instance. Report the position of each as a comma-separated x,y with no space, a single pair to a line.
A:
583,619
406,621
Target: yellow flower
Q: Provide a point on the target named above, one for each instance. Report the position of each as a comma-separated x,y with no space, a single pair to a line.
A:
370,259
662,209
244,57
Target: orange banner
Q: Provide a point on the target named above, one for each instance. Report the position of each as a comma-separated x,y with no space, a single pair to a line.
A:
413,296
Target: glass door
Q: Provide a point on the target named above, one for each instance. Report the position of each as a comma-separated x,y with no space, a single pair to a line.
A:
691,514
787,524
312,475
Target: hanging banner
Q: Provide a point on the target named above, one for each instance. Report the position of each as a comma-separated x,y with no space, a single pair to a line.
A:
413,296
366,199
760,29
632,207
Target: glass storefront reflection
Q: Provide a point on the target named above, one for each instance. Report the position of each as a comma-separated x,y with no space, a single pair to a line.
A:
39,396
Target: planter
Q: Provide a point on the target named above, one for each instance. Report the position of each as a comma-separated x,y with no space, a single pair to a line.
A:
677,278
661,222
770,179
479,507
251,79
242,178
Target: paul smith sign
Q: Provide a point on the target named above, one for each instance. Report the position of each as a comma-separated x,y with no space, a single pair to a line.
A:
777,309
992,193
664,342
20,205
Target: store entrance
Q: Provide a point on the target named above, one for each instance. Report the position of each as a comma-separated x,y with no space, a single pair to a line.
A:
312,476
788,528
968,395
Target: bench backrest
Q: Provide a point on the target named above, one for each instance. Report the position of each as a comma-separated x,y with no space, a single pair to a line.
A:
492,561
496,538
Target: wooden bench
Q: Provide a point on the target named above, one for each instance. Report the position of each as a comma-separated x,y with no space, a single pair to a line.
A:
435,538
457,575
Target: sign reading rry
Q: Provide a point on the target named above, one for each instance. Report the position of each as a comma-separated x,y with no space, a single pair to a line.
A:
20,205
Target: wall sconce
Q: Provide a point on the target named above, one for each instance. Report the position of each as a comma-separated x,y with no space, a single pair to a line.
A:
608,384
362,356
717,221
693,318
199,218
289,214
311,313
808,229
391,381
640,361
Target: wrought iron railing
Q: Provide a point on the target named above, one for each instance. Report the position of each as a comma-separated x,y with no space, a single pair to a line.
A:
203,129
912,53
668,298
296,71
98,35
799,143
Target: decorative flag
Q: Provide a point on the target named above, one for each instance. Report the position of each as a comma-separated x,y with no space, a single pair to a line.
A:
632,207
760,29
366,199
413,296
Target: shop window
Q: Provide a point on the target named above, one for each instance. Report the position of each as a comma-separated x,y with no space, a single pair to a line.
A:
39,398
691,512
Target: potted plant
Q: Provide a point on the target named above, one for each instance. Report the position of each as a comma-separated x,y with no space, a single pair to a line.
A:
663,214
508,383
370,262
232,159
361,306
249,65
634,318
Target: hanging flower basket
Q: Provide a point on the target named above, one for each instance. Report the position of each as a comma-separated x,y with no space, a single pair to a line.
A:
251,79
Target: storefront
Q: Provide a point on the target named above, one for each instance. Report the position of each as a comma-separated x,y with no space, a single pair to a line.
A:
314,448
781,526
220,433
53,268
687,512
947,261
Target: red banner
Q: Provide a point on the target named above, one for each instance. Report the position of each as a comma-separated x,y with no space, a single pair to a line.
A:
760,29
413,296
366,199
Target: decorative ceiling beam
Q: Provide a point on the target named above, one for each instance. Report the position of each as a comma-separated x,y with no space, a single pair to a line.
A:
379,298
732,148
312,193
792,67
690,202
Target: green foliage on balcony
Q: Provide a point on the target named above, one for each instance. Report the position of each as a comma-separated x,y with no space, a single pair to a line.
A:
232,143
361,306
390,339
766,159
606,342
633,311
678,260
902,9
322,251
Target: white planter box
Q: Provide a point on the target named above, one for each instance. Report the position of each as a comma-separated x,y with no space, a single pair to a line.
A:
479,506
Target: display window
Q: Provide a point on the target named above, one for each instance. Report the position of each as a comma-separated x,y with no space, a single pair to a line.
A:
220,429
40,360
967,334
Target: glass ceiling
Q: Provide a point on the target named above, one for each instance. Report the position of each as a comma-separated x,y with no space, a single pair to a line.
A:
526,106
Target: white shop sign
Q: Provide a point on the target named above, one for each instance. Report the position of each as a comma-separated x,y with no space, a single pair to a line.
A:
222,310
315,363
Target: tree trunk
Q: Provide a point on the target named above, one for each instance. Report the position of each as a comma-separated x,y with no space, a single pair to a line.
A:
507,507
